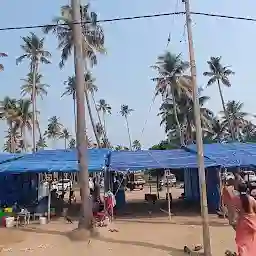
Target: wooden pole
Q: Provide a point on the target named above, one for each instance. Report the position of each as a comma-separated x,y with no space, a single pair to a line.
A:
199,141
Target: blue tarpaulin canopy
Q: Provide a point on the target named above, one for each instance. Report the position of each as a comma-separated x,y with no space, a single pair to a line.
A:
155,159
55,161
230,154
225,155
5,157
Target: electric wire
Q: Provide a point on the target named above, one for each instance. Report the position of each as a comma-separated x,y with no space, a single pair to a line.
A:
136,18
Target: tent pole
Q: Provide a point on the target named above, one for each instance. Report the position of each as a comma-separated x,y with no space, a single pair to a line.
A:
168,198
49,202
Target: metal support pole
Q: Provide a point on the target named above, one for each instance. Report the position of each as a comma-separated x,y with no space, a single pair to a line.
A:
199,141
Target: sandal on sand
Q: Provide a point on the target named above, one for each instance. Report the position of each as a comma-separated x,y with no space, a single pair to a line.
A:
187,250
198,248
229,253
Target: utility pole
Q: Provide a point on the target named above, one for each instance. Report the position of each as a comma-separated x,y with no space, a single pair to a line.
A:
199,141
80,118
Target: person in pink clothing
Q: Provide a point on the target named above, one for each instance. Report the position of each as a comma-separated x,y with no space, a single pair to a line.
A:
228,193
246,222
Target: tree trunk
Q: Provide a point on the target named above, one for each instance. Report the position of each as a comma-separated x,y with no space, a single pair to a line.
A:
182,142
34,67
65,141
226,113
128,130
11,138
37,121
91,118
24,137
104,122
74,108
86,218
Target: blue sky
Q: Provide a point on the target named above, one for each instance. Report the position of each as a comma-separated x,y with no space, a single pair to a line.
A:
123,75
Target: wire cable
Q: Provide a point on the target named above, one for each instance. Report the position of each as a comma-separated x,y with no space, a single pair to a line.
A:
136,18
99,21
147,117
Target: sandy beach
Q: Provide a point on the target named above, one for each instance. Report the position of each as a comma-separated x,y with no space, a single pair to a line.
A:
150,234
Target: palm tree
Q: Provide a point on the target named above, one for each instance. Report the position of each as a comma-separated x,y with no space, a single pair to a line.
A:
185,115
93,42
220,74
100,130
93,36
218,131
41,144
235,116
72,143
40,90
125,112
136,145
92,88
70,89
65,135
105,108
171,81
249,132
88,80
23,117
118,148
2,54
53,129
12,141
34,51
8,112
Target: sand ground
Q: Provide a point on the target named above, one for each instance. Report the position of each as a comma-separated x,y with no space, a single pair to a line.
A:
148,235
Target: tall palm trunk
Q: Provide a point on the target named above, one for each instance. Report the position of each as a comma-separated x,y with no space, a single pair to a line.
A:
99,119
24,137
11,137
65,141
74,108
104,122
225,112
37,121
91,118
34,67
182,142
129,134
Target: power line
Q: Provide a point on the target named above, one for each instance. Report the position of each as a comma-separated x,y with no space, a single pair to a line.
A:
99,21
136,18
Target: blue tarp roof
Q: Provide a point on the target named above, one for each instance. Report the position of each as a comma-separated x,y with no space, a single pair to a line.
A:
55,161
230,154
226,155
4,157
155,159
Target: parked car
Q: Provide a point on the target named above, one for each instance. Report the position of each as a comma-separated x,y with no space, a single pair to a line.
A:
137,182
171,180
64,185
249,176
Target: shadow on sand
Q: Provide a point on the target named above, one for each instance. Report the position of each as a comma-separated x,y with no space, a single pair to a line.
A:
171,250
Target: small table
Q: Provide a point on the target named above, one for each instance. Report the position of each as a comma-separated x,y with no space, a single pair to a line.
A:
23,215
